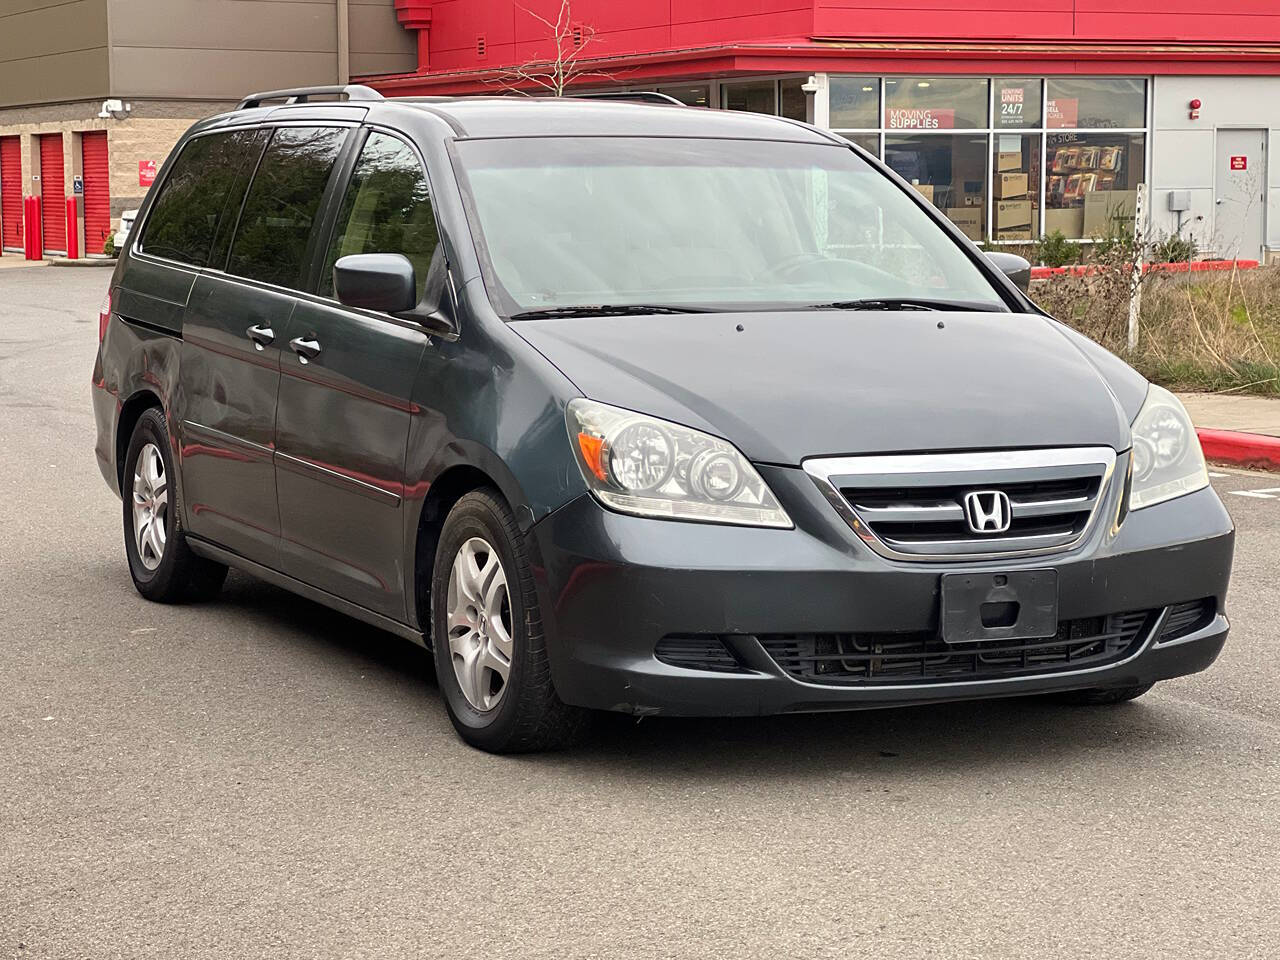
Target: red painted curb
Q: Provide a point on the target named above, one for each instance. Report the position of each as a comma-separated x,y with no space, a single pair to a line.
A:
1195,266
1241,449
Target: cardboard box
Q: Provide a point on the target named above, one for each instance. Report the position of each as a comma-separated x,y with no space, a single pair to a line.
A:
1069,222
1010,185
1021,233
1013,215
1009,161
925,190
1102,206
968,219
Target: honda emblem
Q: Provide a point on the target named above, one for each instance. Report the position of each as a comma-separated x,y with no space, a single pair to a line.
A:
988,511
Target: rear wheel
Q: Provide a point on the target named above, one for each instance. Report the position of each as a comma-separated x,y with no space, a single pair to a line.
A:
490,653
162,565
1102,697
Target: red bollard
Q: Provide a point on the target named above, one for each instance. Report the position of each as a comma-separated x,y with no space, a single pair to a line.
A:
73,231
35,230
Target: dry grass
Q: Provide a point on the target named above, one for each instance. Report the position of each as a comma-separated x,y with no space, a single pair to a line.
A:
1203,331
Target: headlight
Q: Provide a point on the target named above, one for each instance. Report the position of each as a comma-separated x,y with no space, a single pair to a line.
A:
1167,460
653,468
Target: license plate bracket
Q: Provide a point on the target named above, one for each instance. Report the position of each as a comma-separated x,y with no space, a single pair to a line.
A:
1020,605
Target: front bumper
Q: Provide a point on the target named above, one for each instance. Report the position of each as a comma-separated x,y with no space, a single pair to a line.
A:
612,586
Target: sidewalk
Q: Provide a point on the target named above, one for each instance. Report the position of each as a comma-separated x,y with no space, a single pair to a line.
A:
1233,429
1219,411
17,260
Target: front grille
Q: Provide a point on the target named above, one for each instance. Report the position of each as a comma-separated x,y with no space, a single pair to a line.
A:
913,507
1187,618
877,658
699,652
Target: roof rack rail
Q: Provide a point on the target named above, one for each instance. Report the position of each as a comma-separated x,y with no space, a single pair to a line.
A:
642,96
352,91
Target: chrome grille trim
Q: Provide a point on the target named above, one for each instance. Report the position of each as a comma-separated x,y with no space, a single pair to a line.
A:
857,487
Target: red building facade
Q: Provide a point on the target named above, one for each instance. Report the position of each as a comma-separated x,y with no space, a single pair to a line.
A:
1016,117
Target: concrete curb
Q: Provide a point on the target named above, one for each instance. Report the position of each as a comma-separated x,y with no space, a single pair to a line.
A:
83,262
1241,449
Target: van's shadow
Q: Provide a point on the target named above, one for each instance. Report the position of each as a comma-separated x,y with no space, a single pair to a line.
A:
991,737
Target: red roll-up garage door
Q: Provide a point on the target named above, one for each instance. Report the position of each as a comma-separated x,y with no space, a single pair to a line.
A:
11,192
53,193
97,190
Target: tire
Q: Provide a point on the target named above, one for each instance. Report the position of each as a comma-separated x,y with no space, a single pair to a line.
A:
494,616
1104,697
162,565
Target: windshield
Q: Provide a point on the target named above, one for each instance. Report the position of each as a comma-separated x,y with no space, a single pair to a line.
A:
711,224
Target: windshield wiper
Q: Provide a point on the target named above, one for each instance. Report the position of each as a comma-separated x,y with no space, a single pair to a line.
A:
605,310
896,303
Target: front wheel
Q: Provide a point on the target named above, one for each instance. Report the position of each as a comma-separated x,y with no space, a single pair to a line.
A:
162,565
490,653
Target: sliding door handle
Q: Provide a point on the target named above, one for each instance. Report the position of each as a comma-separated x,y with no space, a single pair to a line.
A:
305,347
261,336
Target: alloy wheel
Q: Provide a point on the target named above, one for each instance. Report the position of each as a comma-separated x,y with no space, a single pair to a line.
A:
479,624
150,505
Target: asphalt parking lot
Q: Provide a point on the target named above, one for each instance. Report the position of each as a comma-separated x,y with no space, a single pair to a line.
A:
259,777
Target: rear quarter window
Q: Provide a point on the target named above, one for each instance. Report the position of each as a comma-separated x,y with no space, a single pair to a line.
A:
202,192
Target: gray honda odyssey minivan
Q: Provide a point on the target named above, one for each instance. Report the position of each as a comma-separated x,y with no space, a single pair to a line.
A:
632,406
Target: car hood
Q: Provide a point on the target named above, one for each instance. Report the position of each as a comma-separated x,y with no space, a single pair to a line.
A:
794,384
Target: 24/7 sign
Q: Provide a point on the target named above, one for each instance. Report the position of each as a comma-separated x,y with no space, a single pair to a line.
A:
1239,163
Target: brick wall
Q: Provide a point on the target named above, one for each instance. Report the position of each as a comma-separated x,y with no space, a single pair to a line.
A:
148,133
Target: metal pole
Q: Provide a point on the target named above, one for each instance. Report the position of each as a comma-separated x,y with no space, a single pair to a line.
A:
344,42
1135,279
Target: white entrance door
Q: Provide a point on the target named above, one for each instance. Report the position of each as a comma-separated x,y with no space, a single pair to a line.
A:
1240,194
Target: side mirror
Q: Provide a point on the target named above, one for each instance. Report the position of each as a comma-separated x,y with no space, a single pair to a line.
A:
1016,268
376,281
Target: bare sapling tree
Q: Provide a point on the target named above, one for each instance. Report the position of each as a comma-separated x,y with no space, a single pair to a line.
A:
567,66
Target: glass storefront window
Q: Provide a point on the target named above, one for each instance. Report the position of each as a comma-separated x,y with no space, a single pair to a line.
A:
1015,186
934,103
854,102
1016,103
1104,102
693,95
793,102
949,171
756,96
867,141
1092,182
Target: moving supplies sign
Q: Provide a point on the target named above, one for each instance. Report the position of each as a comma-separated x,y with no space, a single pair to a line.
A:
1064,112
146,173
920,118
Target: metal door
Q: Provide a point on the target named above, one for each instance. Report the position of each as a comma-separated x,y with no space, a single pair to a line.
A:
97,190
11,193
53,194
1240,194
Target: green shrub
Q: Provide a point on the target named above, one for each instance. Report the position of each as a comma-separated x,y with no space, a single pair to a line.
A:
109,246
1056,250
1172,248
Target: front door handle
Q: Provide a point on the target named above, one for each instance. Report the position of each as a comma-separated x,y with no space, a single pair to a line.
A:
261,336
306,348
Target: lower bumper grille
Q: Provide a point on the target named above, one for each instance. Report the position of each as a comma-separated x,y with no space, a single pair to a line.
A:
1187,618
882,658
704,652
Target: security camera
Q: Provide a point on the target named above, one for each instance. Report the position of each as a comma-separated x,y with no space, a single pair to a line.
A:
812,85
114,110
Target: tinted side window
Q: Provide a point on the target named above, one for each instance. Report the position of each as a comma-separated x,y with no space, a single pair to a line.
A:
284,198
386,209
204,187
